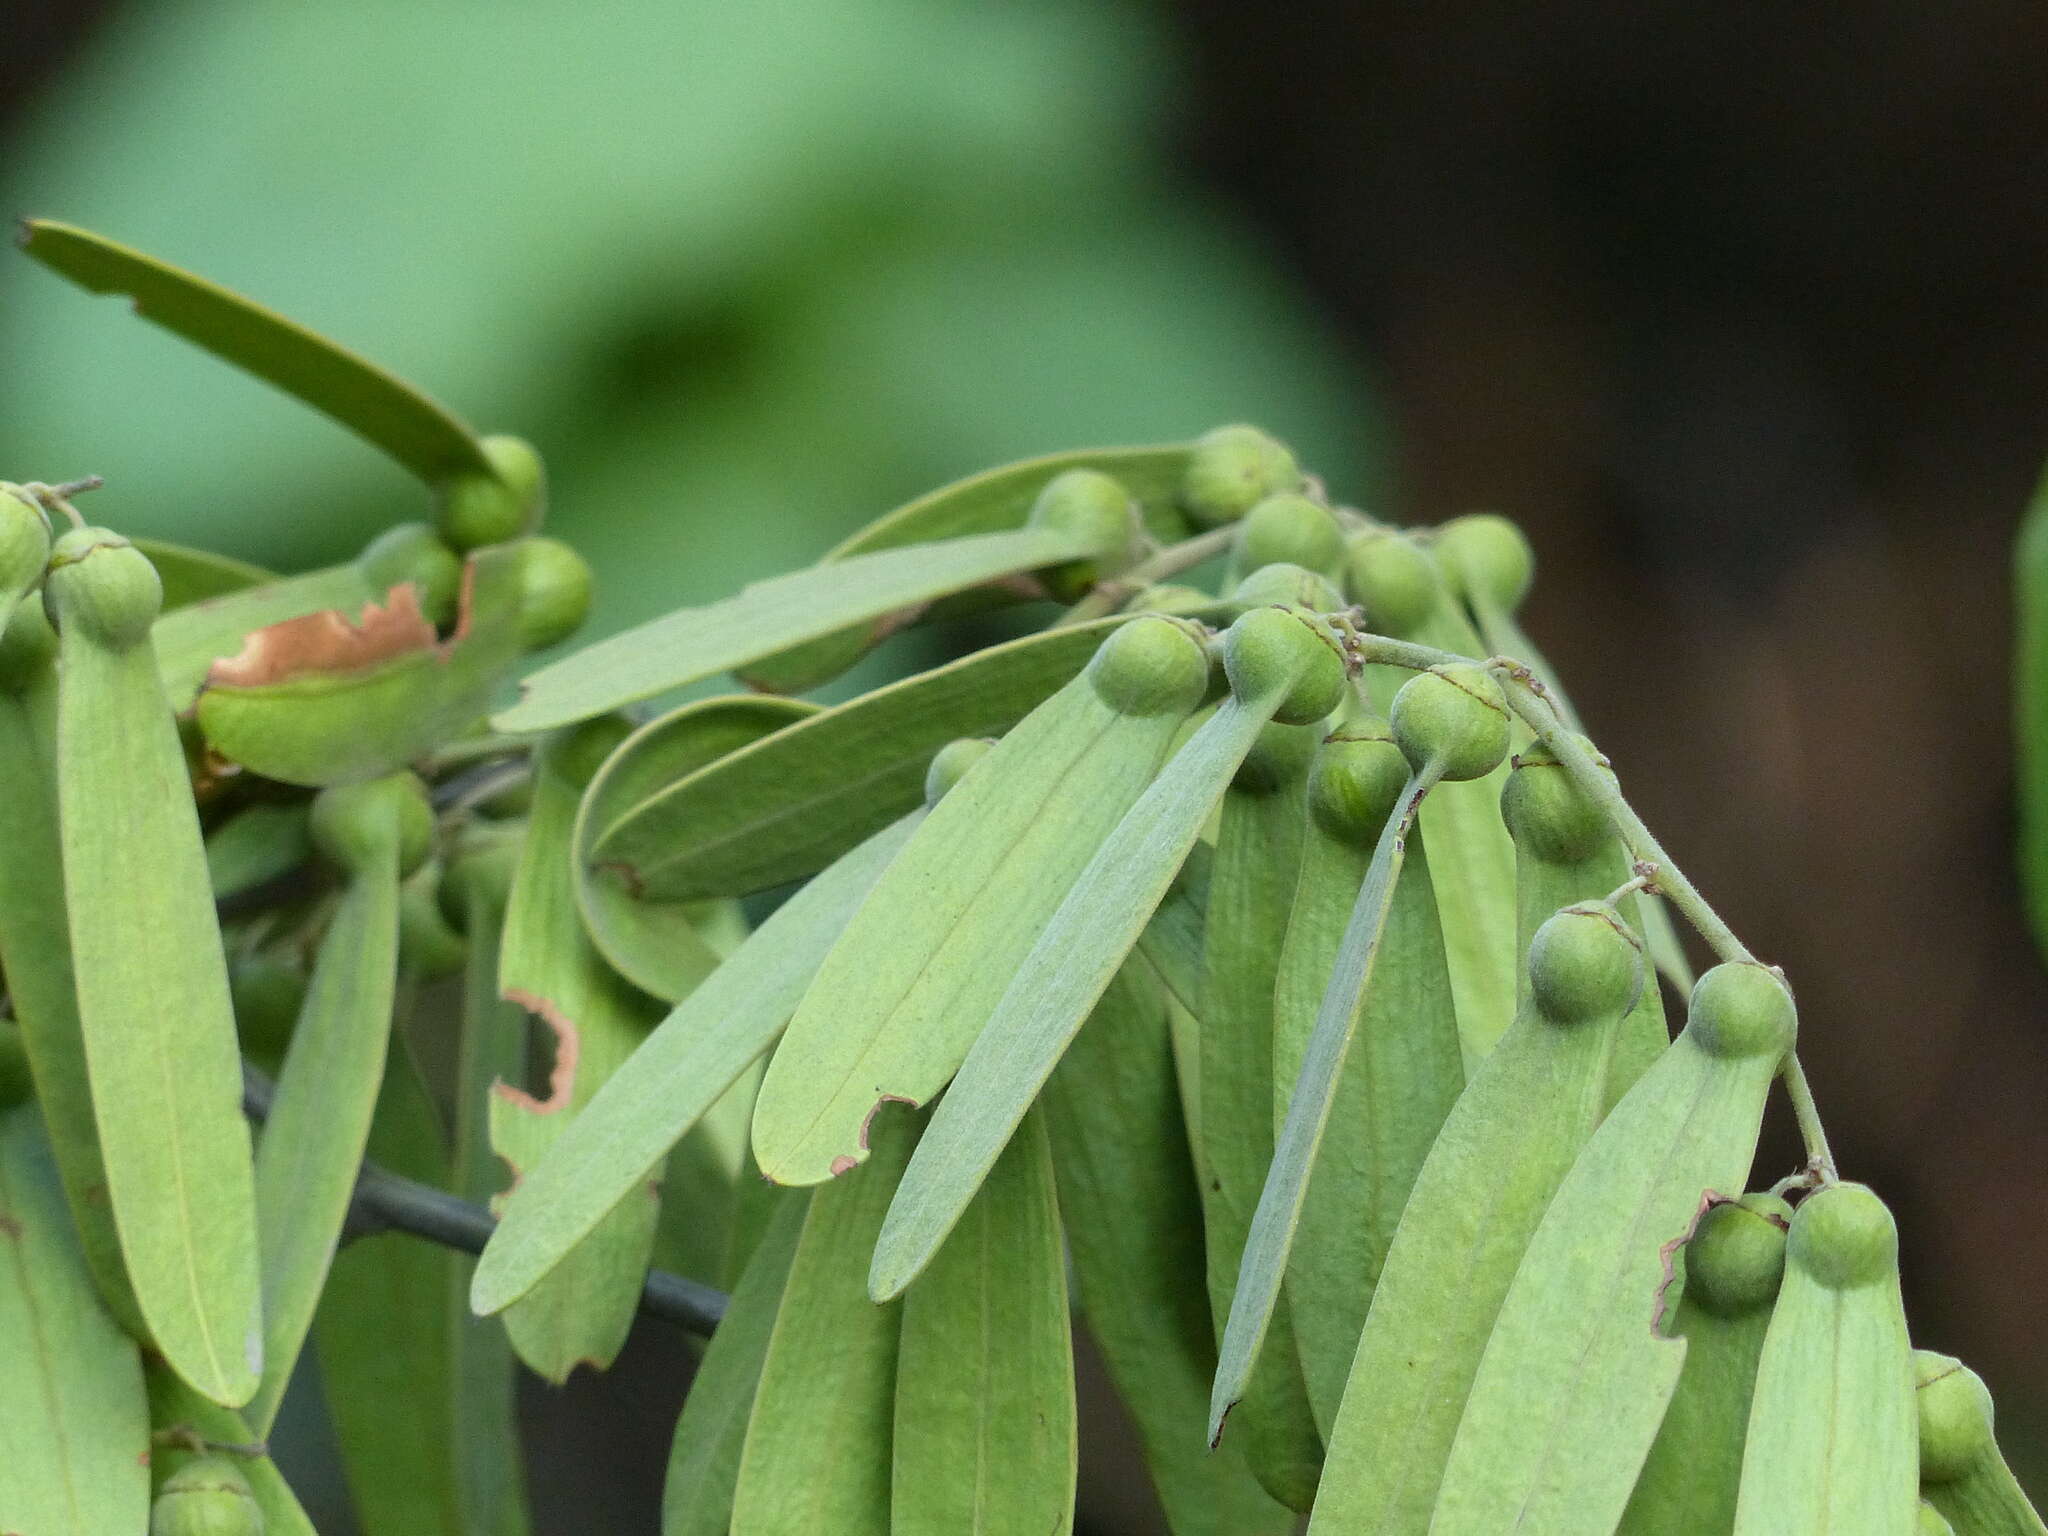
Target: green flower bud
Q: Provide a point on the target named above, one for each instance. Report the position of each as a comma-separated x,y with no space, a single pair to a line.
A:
28,646
1357,780
1152,666
350,822
519,465
414,552
1548,814
950,764
554,592
1097,508
1843,1236
1931,1522
1741,1008
578,751
1735,1258
1231,471
1455,715
1286,649
1956,1416
1289,529
1286,586
101,582
24,539
1393,579
206,1497
1170,597
478,509
1487,558
268,992
1279,757
1584,964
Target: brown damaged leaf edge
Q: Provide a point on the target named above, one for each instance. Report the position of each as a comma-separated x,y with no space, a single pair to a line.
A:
568,1048
331,643
845,1163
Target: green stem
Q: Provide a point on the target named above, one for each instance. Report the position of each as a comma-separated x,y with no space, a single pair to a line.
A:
1820,1157
1111,595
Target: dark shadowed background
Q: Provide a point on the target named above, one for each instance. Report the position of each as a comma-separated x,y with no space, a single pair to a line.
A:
1739,309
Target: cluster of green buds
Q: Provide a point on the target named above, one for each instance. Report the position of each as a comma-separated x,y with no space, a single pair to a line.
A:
1252,960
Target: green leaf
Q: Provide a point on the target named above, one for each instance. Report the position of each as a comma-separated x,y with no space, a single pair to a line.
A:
1506,1145
1834,1435
74,1425
819,1439
1578,1371
415,430
787,805
191,638
704,1459
902,995
1251,891
984,1435
883,589
1986,1501
312,1143
179,1416
692,1057
154,1011
1133,1218
255,845
654,942
318,701
1055,987
193,575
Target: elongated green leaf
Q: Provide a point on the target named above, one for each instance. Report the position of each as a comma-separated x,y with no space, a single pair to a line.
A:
1578,1372
182,1418
1988,1502
193,575
903,994
1133,1218
312,1144
1055,987
695,643
35,946
415,430
74,1425
1501,1154
152,988
318,700
1251,891
693,1056
256,844
793,801
1170,948
1727,1277
1963,1474
819,1439
991,502
653,942
704,1459
984,1435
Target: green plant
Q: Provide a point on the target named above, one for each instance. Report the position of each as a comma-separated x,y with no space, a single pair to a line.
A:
1281,966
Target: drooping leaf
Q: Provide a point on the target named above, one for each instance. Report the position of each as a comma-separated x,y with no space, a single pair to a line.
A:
1578,1371
193,575
985,1437
415,430
680,1070
74,1424
704,1458
819,1438
902,995
152,981
1133,1217
696,643
790,803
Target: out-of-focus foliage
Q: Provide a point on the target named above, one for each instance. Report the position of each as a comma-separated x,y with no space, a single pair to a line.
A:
746,274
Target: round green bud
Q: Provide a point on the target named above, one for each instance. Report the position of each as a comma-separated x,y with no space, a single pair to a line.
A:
1393,579
206,1497
478,508
28,647
413,552
1843,1236
1357,780
24,539
1287,586
578,751
1291,651
478,874
554,592
1956,1416
1931,1522
1170,597
1289,529
1096,508
267,991
1233,469
1153,665
1741,1008
351,822
1453,715
519,465
1487,558
1584,964
1735,1258
1548,814
105,585
950,764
